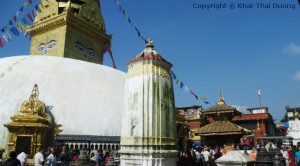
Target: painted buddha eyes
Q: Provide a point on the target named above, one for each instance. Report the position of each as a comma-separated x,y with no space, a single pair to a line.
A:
79,47
90,52
52,44
44,47
85,52
41,47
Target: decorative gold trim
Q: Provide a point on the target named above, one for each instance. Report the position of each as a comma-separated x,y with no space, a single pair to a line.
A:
148,67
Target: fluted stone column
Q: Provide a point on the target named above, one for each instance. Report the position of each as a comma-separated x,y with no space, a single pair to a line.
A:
148,130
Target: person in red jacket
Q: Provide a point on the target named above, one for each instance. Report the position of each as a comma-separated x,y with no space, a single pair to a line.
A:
106,157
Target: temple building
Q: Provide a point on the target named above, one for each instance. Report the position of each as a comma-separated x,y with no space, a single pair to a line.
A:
192,119
223,124
259,121
221,130
293,129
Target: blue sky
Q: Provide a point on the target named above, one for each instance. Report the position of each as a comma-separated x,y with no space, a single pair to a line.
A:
234,50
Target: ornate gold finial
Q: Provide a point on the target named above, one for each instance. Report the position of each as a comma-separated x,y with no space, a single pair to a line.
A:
150,43
221,98
33,106
35,92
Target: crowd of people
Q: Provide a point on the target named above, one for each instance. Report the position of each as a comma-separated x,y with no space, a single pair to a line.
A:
189,156
291,155
206,155
53,158
200,156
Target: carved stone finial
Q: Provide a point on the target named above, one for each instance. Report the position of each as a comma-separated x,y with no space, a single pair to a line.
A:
150,43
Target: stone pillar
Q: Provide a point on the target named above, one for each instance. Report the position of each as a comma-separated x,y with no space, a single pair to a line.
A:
148,130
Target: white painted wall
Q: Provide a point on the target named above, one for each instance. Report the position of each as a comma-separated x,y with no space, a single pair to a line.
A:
87,98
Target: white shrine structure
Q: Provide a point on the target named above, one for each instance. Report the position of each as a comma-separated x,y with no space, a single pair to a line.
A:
148,134
294,124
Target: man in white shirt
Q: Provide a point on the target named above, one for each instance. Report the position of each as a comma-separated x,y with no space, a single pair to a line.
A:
39,157
206,154
285,155
22,157
51,159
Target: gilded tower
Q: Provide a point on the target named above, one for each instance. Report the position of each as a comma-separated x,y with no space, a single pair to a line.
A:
69,28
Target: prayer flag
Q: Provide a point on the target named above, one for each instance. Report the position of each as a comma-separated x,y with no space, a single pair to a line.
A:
106,48
2,30
5,27
196,97
29,1
21,9
6,36
2,44
25,4
202,98
192,92
20,27
137,31
129,20
206,102
33,13
17,14
15,18
29,17
173,75
177,80
186,89
25,34
25,21
14,31
181,85
259,93
37,8
10,22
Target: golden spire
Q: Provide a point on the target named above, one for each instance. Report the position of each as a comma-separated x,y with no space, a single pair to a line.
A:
221,98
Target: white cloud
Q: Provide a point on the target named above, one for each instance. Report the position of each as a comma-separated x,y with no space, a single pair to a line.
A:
242,108
297,76
292,49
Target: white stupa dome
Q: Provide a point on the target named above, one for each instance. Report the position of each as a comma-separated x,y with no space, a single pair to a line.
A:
85,98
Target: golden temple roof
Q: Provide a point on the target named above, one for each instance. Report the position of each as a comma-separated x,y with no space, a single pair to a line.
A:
219,128
220,106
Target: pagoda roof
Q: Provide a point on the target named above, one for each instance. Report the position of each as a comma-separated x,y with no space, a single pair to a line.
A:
221,106
219,128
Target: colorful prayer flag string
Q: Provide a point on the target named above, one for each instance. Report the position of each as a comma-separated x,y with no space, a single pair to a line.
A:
121,9
187,89
19,27
178,82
